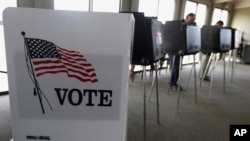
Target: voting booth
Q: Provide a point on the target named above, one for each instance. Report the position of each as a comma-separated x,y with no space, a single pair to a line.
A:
148,49
154,40
68,74
148,45
182,39
236,37
179,36
216,40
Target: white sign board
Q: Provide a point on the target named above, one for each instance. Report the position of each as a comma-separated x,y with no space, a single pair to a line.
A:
68,74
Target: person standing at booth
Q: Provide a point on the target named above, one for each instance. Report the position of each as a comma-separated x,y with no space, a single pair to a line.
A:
173,84
218,24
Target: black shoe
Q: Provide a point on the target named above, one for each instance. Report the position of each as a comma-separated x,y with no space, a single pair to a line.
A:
207,78
176,88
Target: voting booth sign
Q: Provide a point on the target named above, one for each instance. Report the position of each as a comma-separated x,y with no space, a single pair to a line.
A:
68,74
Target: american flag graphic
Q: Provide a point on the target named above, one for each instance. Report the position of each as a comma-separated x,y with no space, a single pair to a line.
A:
48,58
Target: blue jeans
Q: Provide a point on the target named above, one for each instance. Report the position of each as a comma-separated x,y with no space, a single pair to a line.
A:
174,69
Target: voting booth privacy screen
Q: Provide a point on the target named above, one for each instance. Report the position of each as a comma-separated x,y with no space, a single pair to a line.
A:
148,45
68,74
179,37
154,40
216,39
236,38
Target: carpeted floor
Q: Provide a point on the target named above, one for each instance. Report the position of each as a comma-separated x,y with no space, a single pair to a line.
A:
5,129
208,120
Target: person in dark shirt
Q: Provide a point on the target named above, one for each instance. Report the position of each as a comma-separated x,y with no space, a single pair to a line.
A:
173,84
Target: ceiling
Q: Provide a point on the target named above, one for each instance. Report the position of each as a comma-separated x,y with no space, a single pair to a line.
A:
237,3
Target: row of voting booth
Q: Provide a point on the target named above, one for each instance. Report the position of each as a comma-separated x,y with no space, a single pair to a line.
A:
153,40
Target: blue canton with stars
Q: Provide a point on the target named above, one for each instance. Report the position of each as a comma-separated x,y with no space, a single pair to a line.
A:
42,49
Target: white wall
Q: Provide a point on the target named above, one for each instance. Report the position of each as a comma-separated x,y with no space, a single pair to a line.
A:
241,21
242,4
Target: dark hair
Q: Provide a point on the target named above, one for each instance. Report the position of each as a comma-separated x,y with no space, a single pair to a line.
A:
220,22
190,15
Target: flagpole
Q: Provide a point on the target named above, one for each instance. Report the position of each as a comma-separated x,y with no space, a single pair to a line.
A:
37,89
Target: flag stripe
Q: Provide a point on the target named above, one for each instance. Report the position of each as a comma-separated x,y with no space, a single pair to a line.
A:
68,69
70,75
77,61
49,62
72,55
72,51
59,61
68,51
48,58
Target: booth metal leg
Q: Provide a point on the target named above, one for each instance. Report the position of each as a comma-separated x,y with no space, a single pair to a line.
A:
179,83
201,65
172,66
229,60
224,76
206,69
233,65
211,84
155,81
195,82
152,86
144,103
187,82
157,94
213,68
195,79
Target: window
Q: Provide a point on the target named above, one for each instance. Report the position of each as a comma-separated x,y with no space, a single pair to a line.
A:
106,5
4,82
79,5
190,7
88,5
149,7
199,9
166,10
220,14
3,66
162,9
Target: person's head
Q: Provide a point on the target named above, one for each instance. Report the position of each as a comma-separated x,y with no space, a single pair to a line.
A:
219,24
190,18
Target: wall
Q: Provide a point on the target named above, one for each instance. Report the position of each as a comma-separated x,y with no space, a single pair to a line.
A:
25,3
242,4
126,5
241,21
134,5
47,4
